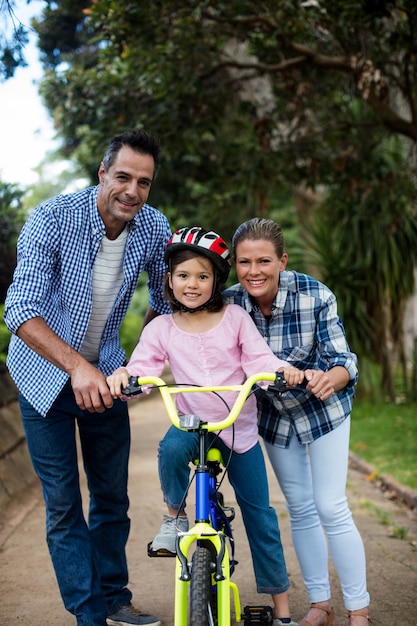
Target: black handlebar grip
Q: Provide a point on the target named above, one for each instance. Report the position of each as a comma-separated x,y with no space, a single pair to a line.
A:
280,384
133,388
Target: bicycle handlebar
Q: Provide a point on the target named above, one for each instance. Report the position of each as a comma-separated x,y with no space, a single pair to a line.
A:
280,385
136,383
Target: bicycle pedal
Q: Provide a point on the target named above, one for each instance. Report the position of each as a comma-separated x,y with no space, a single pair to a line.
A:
258,615
159,553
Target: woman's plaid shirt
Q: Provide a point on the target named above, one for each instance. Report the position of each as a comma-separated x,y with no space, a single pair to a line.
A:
305,330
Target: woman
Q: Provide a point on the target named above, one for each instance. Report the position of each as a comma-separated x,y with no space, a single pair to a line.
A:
306,435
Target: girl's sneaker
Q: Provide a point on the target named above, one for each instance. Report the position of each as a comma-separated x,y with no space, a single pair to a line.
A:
167,535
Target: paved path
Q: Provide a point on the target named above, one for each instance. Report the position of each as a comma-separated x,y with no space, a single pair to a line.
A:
29,594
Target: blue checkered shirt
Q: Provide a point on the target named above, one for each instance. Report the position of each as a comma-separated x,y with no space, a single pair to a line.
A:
305,330
53,280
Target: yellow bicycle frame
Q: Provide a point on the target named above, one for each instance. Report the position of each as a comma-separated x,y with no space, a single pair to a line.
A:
203,530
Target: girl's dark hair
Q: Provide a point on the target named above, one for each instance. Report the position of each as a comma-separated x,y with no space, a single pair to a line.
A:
139,140
216,301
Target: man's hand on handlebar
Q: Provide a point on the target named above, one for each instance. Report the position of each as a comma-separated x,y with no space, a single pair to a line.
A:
90,389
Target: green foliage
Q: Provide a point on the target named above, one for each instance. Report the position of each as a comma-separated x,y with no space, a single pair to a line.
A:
4,336
363,243
385,435
130,331
13,38
55,176
133,322
62,31
247,99
252,101
11,212
11,220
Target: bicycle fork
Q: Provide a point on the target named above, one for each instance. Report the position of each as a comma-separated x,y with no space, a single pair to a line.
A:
203,534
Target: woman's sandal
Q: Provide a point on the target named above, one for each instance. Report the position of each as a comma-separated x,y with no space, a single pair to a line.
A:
329,611
361,613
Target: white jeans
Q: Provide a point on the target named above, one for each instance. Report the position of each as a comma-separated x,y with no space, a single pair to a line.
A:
313,480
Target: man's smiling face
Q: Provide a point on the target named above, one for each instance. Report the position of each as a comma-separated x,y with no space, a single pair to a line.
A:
124,188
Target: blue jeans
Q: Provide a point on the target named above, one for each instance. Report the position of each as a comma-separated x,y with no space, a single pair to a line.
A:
89,558
247,475
313,480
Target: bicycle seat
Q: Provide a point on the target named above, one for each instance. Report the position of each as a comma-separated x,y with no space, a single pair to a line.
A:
213,454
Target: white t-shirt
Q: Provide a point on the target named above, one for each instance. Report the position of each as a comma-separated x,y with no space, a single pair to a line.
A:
107,280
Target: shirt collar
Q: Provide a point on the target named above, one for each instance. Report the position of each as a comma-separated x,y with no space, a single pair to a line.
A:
97,224
281,296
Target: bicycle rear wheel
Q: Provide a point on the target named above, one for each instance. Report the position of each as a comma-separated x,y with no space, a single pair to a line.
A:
203,606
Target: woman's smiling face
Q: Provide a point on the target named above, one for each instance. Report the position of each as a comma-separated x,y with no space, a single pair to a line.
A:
258,268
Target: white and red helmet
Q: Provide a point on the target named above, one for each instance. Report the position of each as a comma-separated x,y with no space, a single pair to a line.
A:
205,242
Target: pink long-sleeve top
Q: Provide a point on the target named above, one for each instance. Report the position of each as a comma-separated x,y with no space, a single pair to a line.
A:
226,354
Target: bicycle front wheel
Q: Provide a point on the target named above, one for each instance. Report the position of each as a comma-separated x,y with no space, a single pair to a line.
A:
203,606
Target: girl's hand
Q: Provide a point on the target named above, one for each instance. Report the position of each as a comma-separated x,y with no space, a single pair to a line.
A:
118,381
292,375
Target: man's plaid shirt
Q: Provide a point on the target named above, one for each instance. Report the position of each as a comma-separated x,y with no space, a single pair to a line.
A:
53,280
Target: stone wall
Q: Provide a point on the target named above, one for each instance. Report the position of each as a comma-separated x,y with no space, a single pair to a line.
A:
16,472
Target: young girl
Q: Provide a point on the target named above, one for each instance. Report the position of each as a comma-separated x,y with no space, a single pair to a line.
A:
207,342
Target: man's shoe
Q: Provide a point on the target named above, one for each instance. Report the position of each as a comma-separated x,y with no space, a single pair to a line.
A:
128,615
278,622
166,537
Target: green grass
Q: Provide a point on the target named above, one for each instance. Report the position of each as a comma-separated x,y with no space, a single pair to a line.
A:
385,435
397,532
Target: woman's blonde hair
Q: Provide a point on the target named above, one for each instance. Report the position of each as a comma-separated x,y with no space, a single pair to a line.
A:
260,228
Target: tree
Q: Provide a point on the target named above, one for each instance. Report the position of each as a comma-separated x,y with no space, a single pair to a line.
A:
13,38
11,220
195,52
252,100
246,98
362,244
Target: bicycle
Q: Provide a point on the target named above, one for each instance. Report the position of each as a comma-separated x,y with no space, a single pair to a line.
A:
203,585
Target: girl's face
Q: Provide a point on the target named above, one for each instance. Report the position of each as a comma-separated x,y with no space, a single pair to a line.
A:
258,268
192,282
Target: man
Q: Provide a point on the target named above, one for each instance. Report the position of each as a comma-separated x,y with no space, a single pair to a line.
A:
79,260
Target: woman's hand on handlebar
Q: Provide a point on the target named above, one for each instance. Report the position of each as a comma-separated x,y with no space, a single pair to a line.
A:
118,381
320,383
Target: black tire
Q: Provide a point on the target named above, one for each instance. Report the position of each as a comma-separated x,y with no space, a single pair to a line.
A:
202,601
